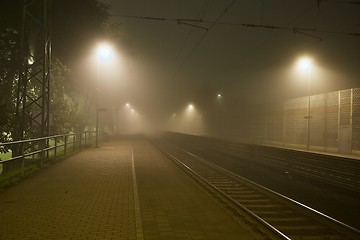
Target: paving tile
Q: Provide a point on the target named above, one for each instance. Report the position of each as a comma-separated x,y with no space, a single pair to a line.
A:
89,195
123,190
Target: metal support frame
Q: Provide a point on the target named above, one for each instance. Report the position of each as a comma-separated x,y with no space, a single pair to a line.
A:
308,112
33,99
351,119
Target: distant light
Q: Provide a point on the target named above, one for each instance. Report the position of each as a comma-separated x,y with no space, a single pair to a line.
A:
132,110
104,52
174,114
127,105
219,95
305,63
30,60
191,107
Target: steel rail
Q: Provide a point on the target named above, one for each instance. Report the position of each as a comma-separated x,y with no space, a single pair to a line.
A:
339,171
232,200
313,215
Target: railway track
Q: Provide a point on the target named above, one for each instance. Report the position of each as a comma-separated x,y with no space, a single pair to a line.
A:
281,216
335,171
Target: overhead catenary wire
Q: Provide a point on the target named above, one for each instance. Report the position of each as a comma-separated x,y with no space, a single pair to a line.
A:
204,8
339,1
201,15
290,54
310,32
331,34
247,25
201,40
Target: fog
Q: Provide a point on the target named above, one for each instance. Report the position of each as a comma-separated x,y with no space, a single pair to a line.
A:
163,66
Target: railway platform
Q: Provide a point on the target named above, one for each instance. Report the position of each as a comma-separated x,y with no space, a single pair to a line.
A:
125,189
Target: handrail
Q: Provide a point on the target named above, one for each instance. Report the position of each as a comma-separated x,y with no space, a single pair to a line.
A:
40,149
39,139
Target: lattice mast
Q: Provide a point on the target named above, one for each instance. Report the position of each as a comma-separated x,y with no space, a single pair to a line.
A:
33,102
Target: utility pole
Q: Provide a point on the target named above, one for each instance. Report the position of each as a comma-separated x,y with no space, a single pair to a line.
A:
33,95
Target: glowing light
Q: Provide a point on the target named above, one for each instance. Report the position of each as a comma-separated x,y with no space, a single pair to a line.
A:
30,60
127,105
219,95
104,52
190,107
305,63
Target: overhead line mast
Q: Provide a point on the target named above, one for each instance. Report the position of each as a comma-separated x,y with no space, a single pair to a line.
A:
33,96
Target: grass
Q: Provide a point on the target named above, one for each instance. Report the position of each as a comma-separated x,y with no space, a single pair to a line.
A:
13,176
11,171
16,176
5,156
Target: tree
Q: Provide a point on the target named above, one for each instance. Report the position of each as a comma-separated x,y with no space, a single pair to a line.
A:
9,76
58,97
69,104
73,24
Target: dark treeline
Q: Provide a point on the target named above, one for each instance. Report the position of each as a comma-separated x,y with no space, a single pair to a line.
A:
75,27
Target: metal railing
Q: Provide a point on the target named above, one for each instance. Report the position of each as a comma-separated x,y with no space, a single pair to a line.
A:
30,154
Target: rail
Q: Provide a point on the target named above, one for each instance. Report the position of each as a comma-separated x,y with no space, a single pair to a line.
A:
284,217
25,155
333,170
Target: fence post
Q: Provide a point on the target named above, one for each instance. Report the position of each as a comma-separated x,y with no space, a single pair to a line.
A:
47,145
42,153
65,144
22,159
55,149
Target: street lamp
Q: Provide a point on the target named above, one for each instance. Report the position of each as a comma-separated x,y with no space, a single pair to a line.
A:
104,53
190,107
305,64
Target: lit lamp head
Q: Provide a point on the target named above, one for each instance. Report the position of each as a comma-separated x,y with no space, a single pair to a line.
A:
104,52
305,64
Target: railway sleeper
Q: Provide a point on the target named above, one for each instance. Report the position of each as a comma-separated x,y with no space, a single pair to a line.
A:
291,223
263,202
276,220
243,192
244,196
279,214
315,232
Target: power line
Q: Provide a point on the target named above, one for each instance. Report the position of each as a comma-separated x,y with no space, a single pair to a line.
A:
222,14
344,2
285,56
201,15
202,39
310,32
247,25
204,8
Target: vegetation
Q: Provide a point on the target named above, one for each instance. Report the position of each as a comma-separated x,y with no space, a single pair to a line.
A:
76,25
9,61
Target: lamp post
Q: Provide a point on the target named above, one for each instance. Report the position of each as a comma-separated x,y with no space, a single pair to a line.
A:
103,53
305,64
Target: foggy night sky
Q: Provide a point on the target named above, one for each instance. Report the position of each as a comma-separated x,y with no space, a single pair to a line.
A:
161,70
